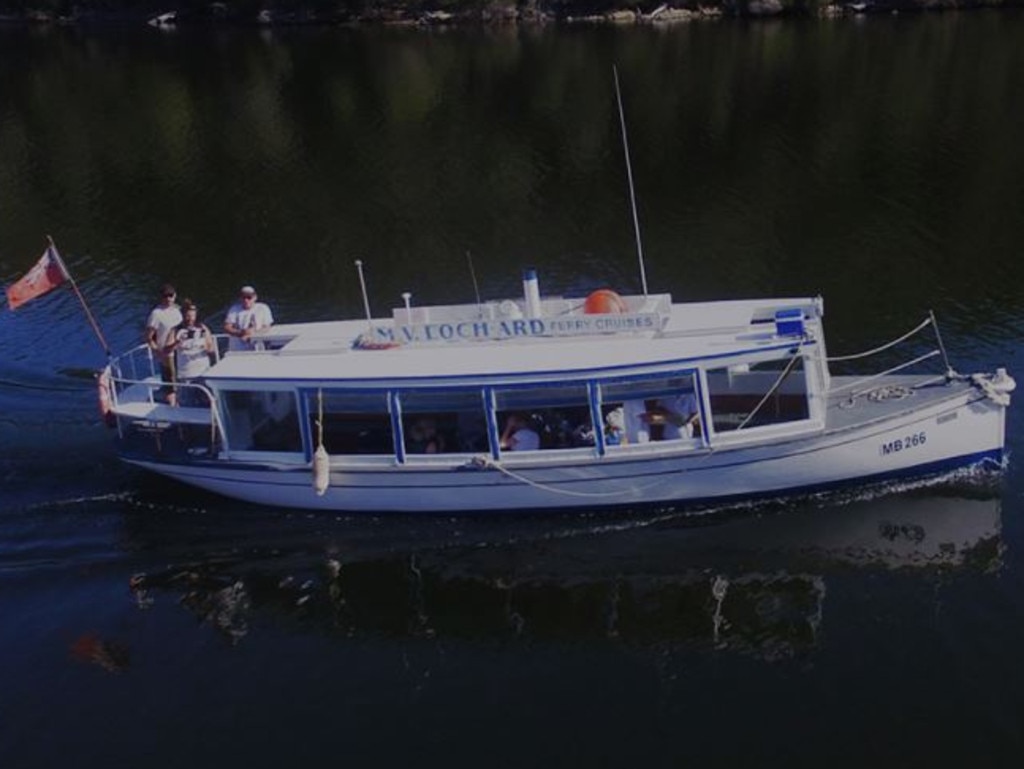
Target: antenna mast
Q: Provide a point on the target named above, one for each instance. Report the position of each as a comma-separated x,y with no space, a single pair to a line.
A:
366,298
629,176
472,274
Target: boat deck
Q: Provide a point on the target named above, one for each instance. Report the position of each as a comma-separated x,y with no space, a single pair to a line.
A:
138,402
885,398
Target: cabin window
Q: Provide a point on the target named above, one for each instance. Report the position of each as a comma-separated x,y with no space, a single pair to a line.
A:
555,416
768,393
353,423
648,409
261,421
443,421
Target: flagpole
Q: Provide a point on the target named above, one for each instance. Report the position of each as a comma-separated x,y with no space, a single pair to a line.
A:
85,305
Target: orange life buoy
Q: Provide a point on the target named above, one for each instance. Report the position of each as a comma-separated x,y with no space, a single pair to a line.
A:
366,341
604,301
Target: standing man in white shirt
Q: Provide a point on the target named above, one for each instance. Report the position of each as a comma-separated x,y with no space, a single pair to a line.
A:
161,321
244,317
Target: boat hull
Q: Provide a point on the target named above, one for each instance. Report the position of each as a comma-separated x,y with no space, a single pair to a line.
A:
948,434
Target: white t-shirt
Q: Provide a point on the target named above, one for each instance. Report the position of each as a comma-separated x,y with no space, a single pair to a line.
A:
190,356
163,320
255,317
524,439
685,405
637,430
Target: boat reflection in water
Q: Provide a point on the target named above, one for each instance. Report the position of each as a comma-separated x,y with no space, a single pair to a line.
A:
753,584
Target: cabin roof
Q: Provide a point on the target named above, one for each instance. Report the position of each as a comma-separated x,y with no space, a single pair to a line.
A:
688,332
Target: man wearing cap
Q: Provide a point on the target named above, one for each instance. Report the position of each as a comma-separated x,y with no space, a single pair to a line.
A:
244,317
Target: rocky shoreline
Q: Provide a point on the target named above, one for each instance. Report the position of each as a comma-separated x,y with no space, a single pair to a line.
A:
451,12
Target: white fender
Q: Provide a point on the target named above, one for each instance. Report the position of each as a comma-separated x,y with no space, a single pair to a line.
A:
321,470
104,391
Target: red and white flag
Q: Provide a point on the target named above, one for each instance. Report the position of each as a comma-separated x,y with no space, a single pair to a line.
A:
46,275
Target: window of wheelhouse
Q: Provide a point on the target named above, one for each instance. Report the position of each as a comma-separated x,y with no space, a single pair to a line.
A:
261,420
443,421
353,422
646,409
772,392
553,416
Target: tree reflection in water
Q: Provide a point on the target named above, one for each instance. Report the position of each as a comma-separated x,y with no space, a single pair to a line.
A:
752,584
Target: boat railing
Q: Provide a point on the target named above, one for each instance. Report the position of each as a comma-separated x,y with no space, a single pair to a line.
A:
134,366
865,384
140,365
138,392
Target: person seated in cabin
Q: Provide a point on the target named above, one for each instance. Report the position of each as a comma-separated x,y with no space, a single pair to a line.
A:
568,428
244,317
635,428
615,427
519,435
471,431
583,435
423,438
191,345
673,417
554,429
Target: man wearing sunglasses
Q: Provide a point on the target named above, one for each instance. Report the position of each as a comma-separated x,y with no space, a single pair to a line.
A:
161,321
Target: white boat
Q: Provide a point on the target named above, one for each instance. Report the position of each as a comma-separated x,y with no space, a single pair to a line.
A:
408,413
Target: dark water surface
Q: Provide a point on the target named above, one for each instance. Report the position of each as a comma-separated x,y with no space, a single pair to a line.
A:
877,161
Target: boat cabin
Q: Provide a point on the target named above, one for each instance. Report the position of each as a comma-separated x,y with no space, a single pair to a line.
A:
506,381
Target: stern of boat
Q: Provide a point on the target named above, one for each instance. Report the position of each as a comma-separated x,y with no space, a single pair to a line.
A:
134,400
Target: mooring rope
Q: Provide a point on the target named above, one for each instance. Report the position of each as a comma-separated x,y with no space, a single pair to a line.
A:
889,392
771,390
486,462
490,463
320,417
